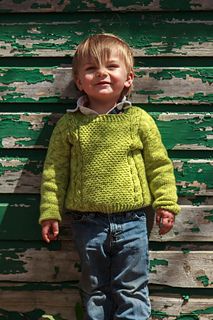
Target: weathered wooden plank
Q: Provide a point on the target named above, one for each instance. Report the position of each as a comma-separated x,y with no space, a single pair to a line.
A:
194,176
23,213
193,224
173,85
20,175
169,307
23,175
26,130
181,269
193,125
33,130
171,268
166,34
60,304
151,85
39,6
65,303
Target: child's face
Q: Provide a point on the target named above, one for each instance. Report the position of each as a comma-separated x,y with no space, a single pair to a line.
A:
104,81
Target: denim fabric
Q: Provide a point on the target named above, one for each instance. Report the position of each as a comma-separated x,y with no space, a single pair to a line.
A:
113,252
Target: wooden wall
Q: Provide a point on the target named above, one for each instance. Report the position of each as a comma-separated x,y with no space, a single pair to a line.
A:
172,42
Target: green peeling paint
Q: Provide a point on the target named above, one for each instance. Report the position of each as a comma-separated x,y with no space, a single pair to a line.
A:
32,315
204,279
161,35
173,5
11,262
79,311
19,1
186,250
25,133
197,97
196,174
194,128
115,5
199,73
157,262
6,88
31,76
210,217
49,317
158,314
187,317
19,165
185,297
194,315
26,211
195,229
204,311
3,207
77,266
14,315
41,6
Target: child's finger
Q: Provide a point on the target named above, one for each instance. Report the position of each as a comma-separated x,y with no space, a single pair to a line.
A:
166,225
55,229
158,218
45,234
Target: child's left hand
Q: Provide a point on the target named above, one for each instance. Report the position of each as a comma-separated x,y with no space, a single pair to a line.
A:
165,220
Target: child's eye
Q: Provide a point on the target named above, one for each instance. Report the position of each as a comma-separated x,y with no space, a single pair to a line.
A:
113,66
90,68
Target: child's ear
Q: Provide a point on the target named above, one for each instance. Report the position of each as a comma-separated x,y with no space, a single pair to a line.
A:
129,80
78,84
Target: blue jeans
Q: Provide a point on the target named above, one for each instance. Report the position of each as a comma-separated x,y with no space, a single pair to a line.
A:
113,252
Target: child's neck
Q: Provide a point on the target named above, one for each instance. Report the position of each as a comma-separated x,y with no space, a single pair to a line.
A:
102,107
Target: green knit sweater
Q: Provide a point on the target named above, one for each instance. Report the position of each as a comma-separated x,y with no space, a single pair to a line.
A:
106,163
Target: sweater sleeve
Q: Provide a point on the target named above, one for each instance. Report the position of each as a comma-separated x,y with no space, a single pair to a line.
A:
159,168
55,175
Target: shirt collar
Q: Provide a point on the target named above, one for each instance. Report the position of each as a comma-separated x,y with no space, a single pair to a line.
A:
82,101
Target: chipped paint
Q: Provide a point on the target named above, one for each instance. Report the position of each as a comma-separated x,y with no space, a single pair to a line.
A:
79,311
174,85
36,84
161,34
11,262
195,127
20,175
195,177
157,262
31,75
204,279
195,229
56,84
26,130
172,34
209,217
100,5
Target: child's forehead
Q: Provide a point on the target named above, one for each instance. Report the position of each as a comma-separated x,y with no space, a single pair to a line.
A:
108,55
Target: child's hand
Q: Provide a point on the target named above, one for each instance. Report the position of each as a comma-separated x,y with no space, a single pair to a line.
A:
50,230
165,220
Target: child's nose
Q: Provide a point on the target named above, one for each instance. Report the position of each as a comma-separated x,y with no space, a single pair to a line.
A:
101,71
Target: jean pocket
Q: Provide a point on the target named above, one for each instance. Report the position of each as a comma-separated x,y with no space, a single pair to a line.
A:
140,215
77,217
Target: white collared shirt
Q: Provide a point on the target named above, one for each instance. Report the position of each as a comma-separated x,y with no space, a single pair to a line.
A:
83,101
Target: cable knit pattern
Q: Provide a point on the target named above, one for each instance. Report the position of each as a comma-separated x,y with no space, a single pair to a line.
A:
106,163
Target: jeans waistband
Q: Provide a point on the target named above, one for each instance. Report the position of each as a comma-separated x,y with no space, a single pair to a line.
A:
126,214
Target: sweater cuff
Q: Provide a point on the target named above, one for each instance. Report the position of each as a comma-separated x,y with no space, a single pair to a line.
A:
172,208
49,216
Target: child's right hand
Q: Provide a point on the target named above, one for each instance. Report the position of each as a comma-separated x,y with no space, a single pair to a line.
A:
50,230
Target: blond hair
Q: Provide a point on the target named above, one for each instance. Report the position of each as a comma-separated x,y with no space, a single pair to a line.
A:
98,47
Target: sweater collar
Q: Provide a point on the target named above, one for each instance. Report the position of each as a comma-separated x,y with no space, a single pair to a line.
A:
82,102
